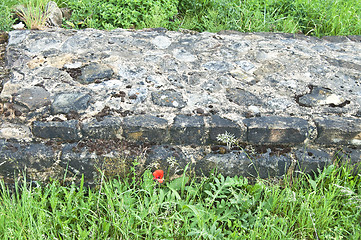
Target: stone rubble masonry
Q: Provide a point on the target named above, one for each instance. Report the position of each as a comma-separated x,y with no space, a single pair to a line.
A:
81,99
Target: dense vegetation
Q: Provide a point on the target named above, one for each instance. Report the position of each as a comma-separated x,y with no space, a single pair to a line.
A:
302,207
317,17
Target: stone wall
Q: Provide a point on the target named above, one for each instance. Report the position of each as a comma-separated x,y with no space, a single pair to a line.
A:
87,101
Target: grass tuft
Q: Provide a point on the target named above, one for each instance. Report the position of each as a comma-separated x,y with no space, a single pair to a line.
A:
324,207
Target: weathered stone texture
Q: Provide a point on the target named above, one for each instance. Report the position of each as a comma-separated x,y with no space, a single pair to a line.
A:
108,128
81,94
276,130
145,128
66,130
339,130
188,130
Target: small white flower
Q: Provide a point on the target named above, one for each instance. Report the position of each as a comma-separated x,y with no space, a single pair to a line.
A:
227,138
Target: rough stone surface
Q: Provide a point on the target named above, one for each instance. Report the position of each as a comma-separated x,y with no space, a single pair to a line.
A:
218,125
145,128
108,128
95,72
66,130
33,98
67,102
339,130
276,130
188,130
55,15
85,98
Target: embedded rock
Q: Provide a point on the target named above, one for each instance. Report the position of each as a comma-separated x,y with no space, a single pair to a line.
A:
33,98
55,15
67,102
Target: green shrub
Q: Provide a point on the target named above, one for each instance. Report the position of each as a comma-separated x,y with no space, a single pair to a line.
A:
318,18
123,13
6,20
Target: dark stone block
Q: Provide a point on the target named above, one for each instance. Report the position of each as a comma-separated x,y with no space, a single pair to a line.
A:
333,130
276,130
66,130
310,161
218,125
109,128
15,158
145,128
230,164
67,102
167,157
79,162
271,163
349,155
94,72
188,130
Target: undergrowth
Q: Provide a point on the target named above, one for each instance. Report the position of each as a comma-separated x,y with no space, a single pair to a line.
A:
324,207
316,18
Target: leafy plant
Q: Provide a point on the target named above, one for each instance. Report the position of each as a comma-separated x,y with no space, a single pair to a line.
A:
123,13
6,19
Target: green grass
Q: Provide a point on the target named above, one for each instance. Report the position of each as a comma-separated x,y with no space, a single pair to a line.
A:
325,207
316,17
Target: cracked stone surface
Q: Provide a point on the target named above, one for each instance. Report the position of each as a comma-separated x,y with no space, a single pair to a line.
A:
93,95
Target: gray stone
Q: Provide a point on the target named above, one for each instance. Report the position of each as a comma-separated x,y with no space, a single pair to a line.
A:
55,15
168,98
276,130
79,162
219,66
230,164
218,125
108,128
145,129
66,130
167,157
95,72
33,98
17,36
36,158
15,131
311,161
320,96
44,44
162,42
338,131
138,95
74,43
68,102
184,56
246,65
343,63
188,130
242,97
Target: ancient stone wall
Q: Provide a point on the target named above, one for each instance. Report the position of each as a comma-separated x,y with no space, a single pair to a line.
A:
88,101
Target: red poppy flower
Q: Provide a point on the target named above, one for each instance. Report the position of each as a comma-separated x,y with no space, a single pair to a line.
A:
158,176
